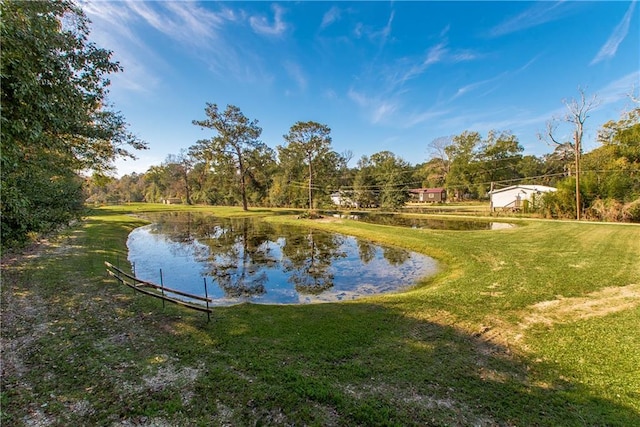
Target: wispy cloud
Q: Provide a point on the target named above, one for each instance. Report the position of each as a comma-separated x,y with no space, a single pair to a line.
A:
434,55
261,25
331,16
540,13
295,72
494,81
113,28
188,25
376,35
425,116
376,108
385,33
619,89
186,22
473,86
609,49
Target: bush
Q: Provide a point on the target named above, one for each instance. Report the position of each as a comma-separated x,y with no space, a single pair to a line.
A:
632,211
605,210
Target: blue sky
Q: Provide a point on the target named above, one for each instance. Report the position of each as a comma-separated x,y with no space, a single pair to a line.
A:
382,75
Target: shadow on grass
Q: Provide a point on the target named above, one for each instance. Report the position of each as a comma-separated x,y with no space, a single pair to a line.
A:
370,365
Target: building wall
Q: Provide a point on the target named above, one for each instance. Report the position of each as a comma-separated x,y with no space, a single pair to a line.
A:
508,197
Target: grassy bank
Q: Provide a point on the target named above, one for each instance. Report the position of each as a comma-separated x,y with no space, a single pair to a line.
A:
535,325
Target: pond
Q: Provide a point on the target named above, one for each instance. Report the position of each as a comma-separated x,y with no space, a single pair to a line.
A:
248,260
429,223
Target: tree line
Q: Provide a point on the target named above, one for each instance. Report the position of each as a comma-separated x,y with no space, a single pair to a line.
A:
234,167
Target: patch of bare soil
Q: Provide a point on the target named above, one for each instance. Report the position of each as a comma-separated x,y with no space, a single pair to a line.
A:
565,310
596,304
26,317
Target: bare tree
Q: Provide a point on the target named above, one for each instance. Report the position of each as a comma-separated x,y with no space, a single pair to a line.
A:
577,114
437,150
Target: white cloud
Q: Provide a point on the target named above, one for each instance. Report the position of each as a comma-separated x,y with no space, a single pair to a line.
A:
436,54
120,26
112,28
386,31
417,118
382,111
609,49
381,35
619,90
183,21
295,72
331,16
377,109
261,25
540,13
330,94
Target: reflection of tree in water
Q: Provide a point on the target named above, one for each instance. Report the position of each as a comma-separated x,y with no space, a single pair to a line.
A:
184,229
395,256
430,223
309,257
239,256
366,250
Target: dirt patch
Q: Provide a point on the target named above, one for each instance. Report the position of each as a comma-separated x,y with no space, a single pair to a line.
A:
596,304
562,310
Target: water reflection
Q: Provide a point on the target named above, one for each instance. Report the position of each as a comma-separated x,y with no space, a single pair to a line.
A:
251,260
430,223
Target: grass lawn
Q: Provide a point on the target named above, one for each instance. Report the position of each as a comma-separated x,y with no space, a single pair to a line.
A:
534,325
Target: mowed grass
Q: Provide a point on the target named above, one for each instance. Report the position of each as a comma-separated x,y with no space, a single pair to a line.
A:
535,325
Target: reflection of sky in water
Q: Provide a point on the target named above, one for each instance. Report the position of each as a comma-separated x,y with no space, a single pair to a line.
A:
185,263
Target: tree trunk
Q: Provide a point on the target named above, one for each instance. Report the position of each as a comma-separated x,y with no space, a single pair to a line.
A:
310,184
243,190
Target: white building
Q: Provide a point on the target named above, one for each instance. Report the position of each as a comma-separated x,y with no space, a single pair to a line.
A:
342,199
517,197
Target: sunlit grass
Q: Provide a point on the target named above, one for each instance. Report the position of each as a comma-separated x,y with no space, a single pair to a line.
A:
462,348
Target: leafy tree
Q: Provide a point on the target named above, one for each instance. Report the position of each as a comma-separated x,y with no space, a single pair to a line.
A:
179,168
462,169
498,158
54,117
390,173
531,169
311,141
366,192
157,183
237,138
623,136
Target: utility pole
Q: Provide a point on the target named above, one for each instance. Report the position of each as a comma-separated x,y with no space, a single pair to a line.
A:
578,148
577,114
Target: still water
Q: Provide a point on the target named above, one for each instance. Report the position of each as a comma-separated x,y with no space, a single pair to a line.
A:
398,220
250,260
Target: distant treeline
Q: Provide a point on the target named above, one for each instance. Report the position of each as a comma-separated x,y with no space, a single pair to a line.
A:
465,165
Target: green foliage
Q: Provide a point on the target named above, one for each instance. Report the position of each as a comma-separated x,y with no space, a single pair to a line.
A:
498,158
610,179
235,151
311,142
53,119
381,181
560,203
474,162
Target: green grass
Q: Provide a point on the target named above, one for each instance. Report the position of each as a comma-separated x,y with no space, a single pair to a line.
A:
466,347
